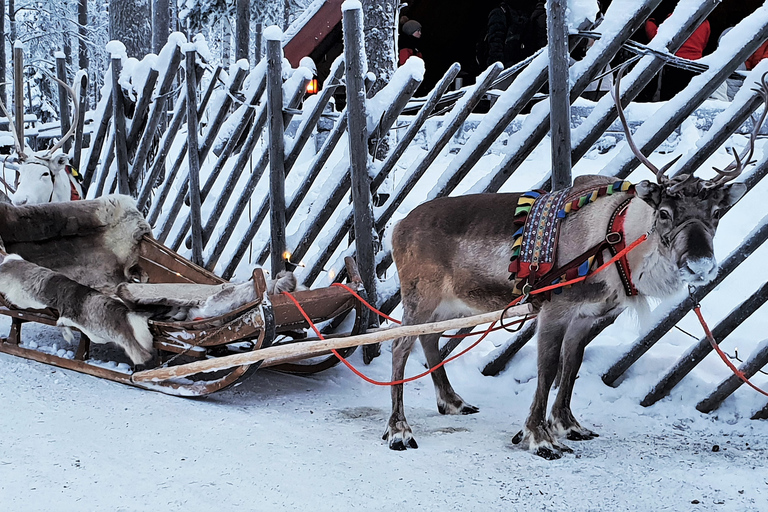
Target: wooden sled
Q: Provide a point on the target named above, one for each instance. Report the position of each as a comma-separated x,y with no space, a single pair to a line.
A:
253,326
39,233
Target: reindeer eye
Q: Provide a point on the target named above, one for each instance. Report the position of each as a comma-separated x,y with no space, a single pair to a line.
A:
717,213
664,214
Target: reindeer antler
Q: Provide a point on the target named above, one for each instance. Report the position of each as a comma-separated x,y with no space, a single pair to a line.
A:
740,162
75,117
12,127
660,173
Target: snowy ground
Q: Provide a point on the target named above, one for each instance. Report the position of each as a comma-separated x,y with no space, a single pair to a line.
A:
280,442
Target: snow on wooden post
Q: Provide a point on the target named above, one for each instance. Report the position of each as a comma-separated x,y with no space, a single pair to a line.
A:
61,74
277,245
118,120
18,90
354,56
193,155
559,92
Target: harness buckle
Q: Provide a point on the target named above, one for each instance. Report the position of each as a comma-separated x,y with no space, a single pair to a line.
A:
613,238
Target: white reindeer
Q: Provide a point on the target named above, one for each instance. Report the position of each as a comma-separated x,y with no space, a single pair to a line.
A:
45,176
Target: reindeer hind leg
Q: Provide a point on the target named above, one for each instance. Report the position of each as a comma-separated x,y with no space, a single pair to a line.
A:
448,401
399,434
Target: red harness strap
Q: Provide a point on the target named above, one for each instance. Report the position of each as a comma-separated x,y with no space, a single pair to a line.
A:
74,194
616,243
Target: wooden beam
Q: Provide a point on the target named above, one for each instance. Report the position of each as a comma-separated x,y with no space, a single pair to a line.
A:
311,348
559,93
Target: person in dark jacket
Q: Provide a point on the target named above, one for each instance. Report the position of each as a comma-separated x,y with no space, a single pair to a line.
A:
515,31
409,40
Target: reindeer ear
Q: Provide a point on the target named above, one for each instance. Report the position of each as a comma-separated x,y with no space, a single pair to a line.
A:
732,192
649,192
59,161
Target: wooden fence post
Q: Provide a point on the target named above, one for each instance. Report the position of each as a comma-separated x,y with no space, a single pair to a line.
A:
559,92
277,243
118,120
61,74
193,155
352,25
18,90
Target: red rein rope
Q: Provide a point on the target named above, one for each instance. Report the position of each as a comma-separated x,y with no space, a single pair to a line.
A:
491,328
722,355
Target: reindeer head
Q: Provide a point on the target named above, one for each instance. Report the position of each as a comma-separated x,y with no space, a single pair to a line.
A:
41,177
687,209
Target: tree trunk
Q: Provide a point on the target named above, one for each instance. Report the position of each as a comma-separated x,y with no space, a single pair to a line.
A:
82,30
380,29
242,28
129,22
161,24
226,41
12,20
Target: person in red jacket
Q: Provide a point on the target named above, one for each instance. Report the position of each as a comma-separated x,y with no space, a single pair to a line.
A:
408,41
674,80
760,54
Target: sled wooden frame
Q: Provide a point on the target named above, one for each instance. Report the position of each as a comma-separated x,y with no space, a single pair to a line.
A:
253,326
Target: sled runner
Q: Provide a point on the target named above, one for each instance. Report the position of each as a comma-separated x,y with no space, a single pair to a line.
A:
104,245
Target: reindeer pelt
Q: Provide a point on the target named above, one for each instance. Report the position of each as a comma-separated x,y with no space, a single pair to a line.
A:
238,295
100,317
94,242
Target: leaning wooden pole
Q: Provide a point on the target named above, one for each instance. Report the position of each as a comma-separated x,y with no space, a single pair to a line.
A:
61,74
312,348
559,94
733,382
18,89
277,244
354,56
193,155
118,122
695,354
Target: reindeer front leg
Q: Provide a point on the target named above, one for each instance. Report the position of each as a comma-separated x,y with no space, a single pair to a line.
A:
580,331
537,435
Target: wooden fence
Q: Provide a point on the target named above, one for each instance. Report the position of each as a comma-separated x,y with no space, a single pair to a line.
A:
219,205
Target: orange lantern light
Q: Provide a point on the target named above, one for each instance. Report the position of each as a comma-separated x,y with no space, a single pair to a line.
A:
312,86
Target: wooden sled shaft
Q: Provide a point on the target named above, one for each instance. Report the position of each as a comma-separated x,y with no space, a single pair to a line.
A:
310,348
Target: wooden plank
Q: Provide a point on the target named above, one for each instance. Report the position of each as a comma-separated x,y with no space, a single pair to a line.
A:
193,157
18,90
118,117
66,123
310,348
277,243
559,89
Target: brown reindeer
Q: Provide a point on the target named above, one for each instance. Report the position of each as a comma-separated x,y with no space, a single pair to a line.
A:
452,256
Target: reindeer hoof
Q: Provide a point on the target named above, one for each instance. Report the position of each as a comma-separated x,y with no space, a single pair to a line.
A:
517,438
547,453
584,435
371,352
460,408
400,438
